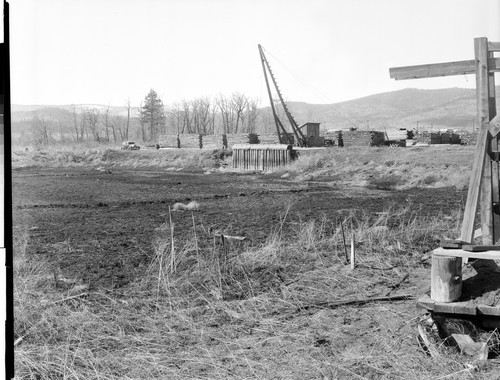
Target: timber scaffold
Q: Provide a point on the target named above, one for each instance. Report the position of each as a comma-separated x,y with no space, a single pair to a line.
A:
261,157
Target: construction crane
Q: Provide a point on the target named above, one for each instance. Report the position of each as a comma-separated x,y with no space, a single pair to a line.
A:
284,137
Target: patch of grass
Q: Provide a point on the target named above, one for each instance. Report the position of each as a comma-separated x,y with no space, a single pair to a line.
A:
211,307
91,155
389,182
386,167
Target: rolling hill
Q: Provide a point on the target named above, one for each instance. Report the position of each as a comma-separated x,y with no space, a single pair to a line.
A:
443,108
408,108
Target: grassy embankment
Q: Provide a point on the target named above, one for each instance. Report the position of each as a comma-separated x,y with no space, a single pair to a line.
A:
383,168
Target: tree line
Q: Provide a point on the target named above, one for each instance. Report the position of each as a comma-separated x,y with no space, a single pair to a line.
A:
236,113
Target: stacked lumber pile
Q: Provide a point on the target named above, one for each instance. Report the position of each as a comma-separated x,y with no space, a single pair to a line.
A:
435,138
450,138
191,141
422,137
269,139
363,138
168,141
468,138
213,142
239,138
335,136
401,134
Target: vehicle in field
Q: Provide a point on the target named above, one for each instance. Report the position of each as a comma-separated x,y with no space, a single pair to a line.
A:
130,145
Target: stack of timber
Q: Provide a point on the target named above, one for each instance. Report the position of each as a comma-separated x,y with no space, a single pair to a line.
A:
422,137
192,141
363,138
401,137
401,134
269,139
467,137
261,157
169,141
237,138
450,138
335,137
213,142
435,138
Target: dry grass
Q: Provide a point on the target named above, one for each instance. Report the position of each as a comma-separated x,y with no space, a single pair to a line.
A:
233,310
387,168
382,168
109,156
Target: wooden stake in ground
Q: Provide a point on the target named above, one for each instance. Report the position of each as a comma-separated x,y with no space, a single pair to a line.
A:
343,239
172,251
353,250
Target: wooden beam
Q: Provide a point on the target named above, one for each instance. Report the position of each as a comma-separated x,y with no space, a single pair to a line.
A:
495,167
440,69
486,255
495,126
493,46
475,180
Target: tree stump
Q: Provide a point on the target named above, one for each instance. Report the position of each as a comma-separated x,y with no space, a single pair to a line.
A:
446,278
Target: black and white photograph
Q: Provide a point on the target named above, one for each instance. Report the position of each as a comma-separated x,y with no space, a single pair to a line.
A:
250,189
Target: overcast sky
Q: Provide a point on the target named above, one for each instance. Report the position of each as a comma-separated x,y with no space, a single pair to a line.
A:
321,51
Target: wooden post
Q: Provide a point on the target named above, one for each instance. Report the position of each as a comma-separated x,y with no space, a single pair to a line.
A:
495,173
483,116
446,278
353,250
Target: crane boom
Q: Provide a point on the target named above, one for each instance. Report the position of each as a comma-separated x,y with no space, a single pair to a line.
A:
301,139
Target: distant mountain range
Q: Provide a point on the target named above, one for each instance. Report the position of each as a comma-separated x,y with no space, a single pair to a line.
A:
408,108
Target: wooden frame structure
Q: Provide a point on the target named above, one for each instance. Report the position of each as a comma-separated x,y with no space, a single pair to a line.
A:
261,156
483,192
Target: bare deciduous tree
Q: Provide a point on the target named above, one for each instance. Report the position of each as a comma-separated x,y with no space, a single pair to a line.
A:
226,113
74,122
40,130
239,103
127,104
92,118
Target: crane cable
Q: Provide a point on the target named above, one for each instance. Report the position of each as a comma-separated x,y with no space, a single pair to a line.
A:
350,117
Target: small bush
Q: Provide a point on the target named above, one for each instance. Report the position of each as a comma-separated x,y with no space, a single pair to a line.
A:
388,182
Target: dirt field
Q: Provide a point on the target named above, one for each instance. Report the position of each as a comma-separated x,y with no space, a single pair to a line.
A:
107,220
264,314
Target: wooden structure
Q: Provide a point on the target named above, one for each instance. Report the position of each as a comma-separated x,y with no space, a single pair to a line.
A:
6,237
483,192
311,130
261,157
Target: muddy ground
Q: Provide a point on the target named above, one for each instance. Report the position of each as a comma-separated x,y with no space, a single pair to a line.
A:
99,226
